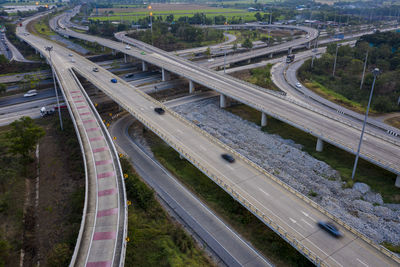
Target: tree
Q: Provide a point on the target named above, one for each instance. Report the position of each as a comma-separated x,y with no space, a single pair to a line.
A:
23,137
258,16
2,88
234,47
247,43
208,52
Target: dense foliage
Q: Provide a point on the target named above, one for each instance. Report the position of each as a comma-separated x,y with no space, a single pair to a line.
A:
383,53
177,36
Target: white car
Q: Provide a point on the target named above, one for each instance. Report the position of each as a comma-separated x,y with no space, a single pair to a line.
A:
30,93
298,85
210,60
127,47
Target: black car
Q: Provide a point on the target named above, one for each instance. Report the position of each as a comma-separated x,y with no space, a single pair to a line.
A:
228,158
159,110
330,228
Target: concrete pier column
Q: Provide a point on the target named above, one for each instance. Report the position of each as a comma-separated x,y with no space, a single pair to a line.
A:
248,61
144,66
125,58
103,48
263,119
222,101
164,75
309,45
113,52
397,184
191,87
290,50
320,145
271,55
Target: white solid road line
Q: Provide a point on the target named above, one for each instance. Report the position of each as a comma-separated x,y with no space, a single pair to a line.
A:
363,263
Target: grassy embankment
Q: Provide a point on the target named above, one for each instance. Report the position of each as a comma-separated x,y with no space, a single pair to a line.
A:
242,35
154,238
262,238
336,97
380,180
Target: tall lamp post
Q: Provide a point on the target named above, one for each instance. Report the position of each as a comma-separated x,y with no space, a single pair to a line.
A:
151,23
375,72
334,64
49,49
365,66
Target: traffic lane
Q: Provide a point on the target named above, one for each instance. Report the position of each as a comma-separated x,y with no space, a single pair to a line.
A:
203,219
175,131
18,99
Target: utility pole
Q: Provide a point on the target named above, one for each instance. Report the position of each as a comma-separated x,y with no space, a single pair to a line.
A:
375,72
151,23
334,64
365,66
224,61
50,48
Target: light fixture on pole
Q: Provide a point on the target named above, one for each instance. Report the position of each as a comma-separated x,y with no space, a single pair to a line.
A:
365,66
49,49
334,64
375,72
151,23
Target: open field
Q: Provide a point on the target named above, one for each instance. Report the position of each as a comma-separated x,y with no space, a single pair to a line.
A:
167,8
246,16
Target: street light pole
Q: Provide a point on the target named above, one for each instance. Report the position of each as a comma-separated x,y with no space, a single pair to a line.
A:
375,72
365,66
334,64
224,61
50,48
151,24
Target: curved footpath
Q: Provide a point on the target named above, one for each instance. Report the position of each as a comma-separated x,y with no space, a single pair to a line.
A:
101,239
219,237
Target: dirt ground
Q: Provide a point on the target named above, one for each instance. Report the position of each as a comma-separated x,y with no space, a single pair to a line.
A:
157,7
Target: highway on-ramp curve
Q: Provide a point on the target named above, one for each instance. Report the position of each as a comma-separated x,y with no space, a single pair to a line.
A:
287,212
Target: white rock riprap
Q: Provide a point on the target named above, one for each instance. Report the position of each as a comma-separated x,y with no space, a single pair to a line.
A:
359,207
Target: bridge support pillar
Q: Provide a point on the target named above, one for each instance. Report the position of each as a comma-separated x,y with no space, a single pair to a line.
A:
248,61
397,184
271,55
164,75
320,145
144,66
113,52
290,50
308,45
222,101
125,58
191,87
263,119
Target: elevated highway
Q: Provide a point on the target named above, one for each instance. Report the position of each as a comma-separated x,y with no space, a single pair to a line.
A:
290,214
101,239
378,148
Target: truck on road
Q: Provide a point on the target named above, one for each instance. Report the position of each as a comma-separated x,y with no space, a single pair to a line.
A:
290,58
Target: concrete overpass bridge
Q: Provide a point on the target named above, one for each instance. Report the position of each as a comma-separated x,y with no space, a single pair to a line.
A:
289,213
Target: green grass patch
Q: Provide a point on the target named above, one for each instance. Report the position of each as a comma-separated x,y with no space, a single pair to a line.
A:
42,27
380,180
249,226
154,239
336,97
242,35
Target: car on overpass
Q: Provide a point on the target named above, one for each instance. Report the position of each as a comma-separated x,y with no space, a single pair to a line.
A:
330,228
228,158
113,80
30,93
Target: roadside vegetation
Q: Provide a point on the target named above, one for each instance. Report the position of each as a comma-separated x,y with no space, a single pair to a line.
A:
395,121
154,239
380,180
245,223
259,76
344,88
49,229
180,36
